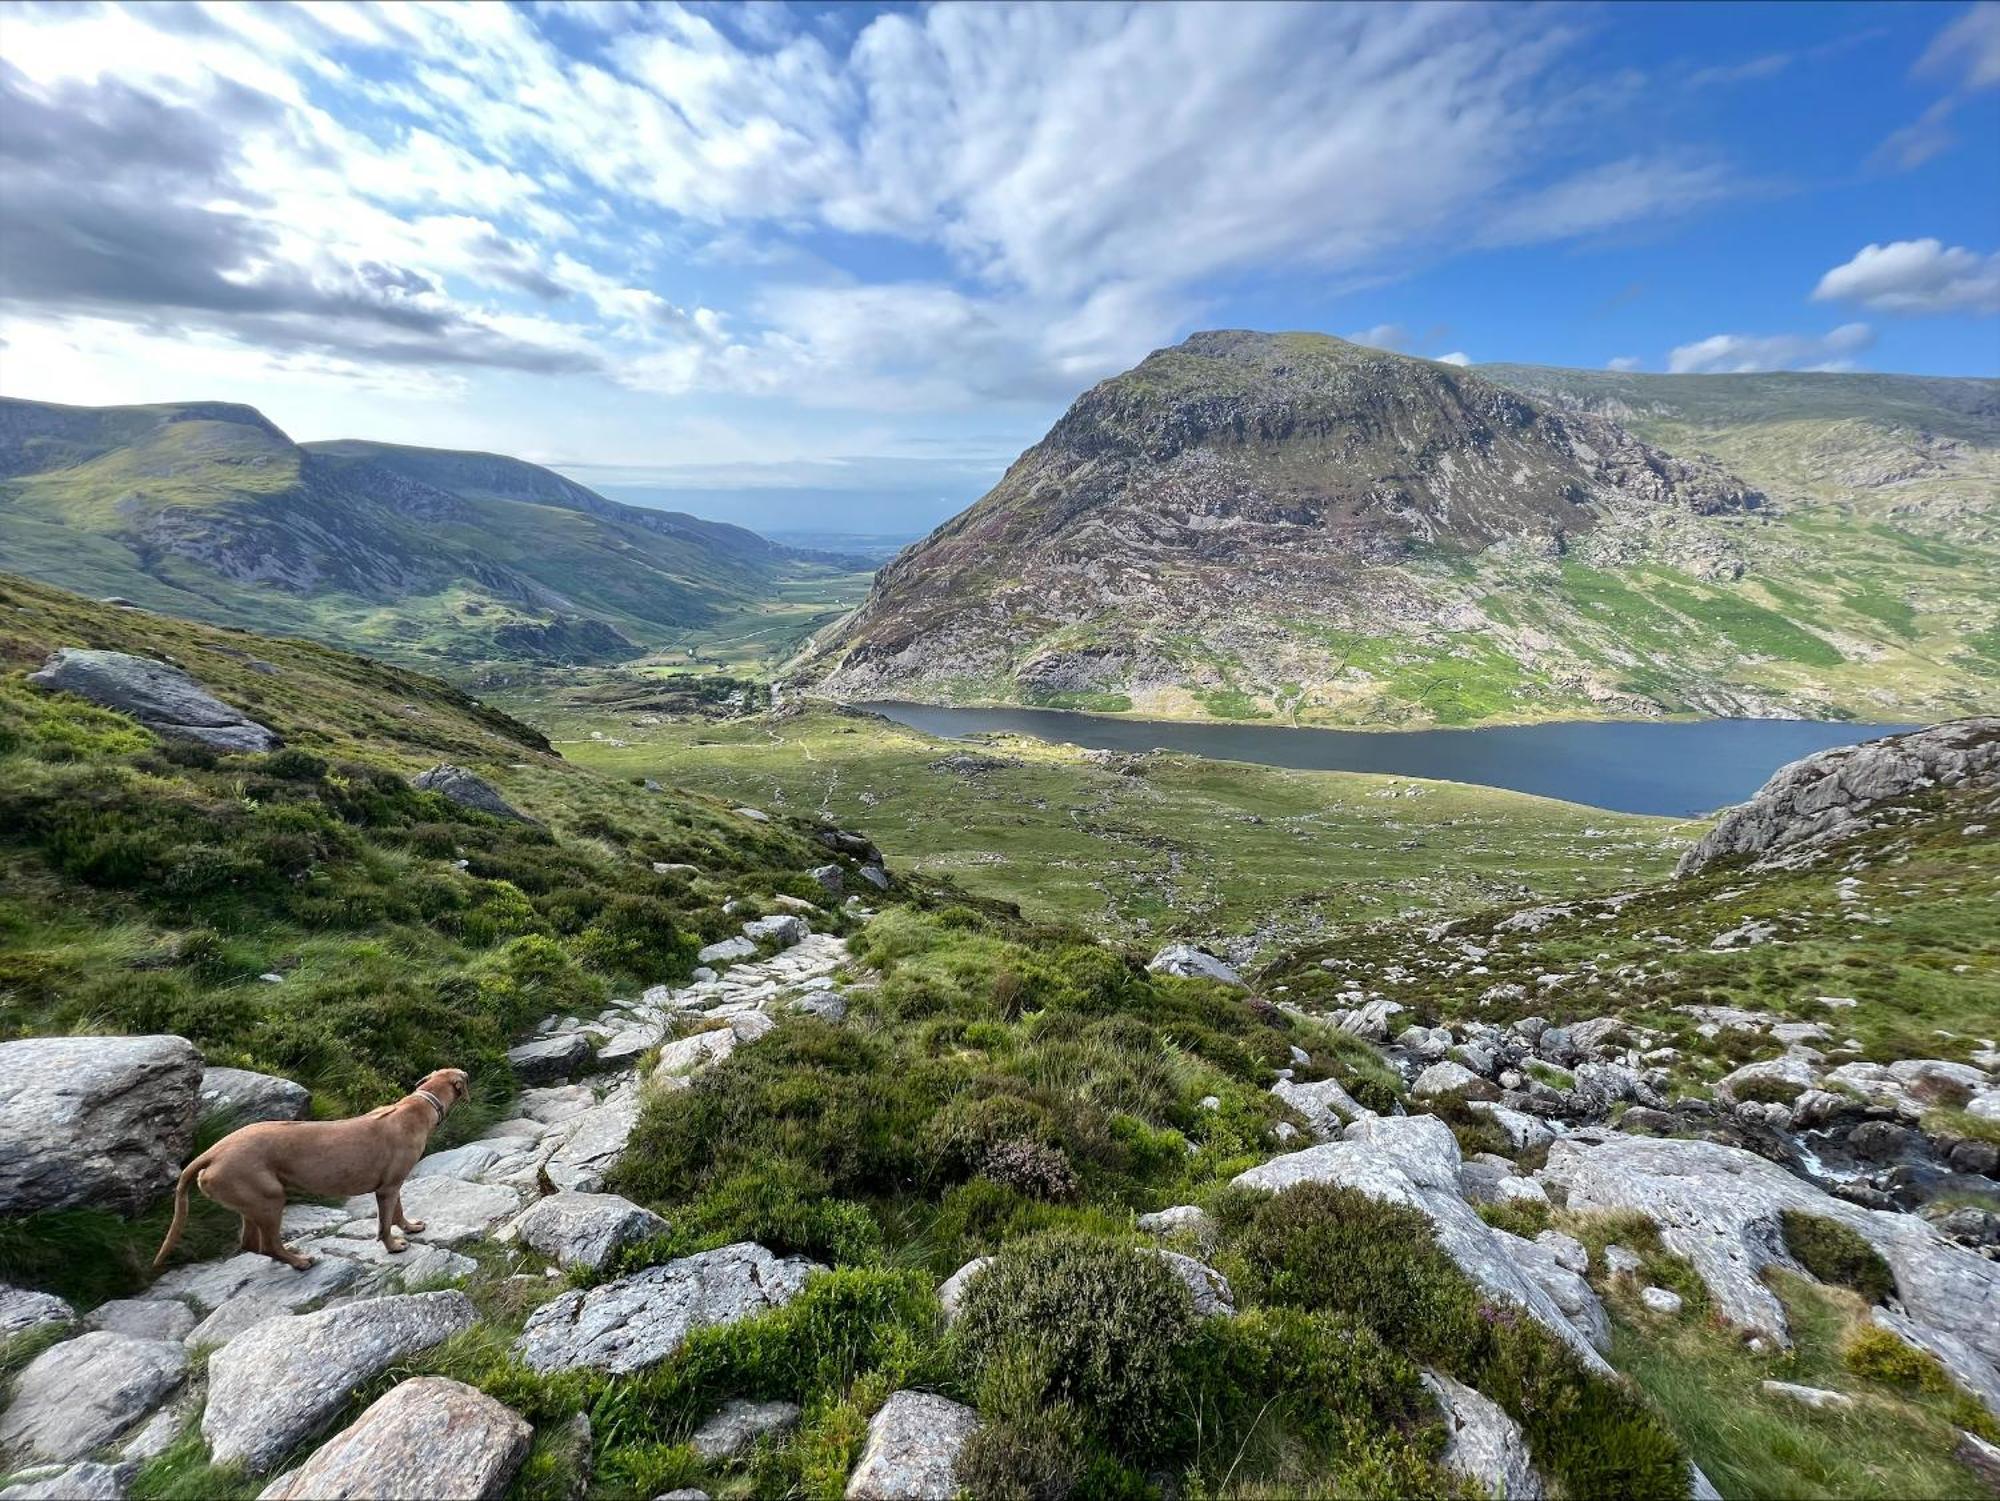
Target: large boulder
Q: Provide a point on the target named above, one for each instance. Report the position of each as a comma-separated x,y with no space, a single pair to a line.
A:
641,1319
914,1441
245,1097
429,1436
282,1381
468,790
1326,1107
547,1059
1830,795
81,1394
1191,963
163,699
1720,1207
100,1121
1413,1160
579,1229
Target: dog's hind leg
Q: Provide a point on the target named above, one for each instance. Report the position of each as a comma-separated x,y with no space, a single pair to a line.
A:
388,1209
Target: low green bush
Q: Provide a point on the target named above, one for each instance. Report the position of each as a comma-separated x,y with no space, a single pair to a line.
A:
1833,1253
1878,1355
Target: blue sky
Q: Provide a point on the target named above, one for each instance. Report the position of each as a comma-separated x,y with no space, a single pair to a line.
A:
834,267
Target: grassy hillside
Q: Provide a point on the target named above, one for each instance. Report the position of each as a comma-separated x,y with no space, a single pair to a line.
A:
442,559
1137,847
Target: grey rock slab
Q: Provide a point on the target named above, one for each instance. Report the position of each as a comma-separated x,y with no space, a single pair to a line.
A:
143,1318
1791,1072
79,1482
1570,1253
476,1159
689,1055
210,1284
556,1103
914,1441
547,1059
1660,1300
638,1320
1814,1397
23,1309
276,1385
1448,1078
584,1229
245,1096
429,1436
951,1292
784,930
1191,963
736,1426
468,790
451,1209
722,951
1208,1287
1326,1107
1188,1219
592,1143
94,1121
83,1393
1961,1362
381,1267
1483,1443
623,1048
1553,1266
1413,1160
1829,795
163,699
1719,1207
1524,1132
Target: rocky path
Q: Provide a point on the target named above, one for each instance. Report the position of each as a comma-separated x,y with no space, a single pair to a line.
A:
287,1349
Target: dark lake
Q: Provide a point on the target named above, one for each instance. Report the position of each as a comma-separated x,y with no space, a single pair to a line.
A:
1677,770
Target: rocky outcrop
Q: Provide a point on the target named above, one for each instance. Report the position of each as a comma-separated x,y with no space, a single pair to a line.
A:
430,1436
77,1396
914,1441
244,1097
549,1059
468,790
1831,795
94,1120
82,1482
280,1382
1413,1160
736,1426
643,1318
1719,1206
23,1310
581,1229
163,699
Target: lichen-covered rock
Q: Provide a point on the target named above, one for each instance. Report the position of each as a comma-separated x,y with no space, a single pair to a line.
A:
736,1426
584,1229
468,790
278,1383
83,1393
1720,1207
784,930
1447,1078
1483,1443
429,1436
244,1096
1830,795
97,1121
1191,963
1208,1287
163,699
913,1446
1326,1107
643,1318
23,1310
726,949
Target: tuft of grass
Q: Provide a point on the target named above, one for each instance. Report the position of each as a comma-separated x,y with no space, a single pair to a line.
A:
1833,1253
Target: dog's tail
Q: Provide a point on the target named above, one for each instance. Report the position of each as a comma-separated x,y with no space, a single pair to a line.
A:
180,1207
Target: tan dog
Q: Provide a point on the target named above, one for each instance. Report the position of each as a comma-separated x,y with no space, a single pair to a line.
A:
249,1170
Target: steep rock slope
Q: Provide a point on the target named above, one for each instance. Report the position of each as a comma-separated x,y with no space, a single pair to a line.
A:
209,510
1255,524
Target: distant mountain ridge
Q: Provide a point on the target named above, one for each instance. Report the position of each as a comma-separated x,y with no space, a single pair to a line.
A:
1289,525
208,509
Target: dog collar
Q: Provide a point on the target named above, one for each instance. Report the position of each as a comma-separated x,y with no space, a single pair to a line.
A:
435,1103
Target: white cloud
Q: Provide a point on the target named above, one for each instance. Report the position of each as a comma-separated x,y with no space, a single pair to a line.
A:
1968,49
1625,363
1391,336
1916,276
1736,354
1456,357
1607,197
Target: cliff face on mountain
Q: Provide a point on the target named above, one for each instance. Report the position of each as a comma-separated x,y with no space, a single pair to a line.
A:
1250,525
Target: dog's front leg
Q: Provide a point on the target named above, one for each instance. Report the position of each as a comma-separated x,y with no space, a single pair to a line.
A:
403,1221
388,1209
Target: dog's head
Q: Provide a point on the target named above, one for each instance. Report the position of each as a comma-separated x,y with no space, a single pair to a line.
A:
447,1084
